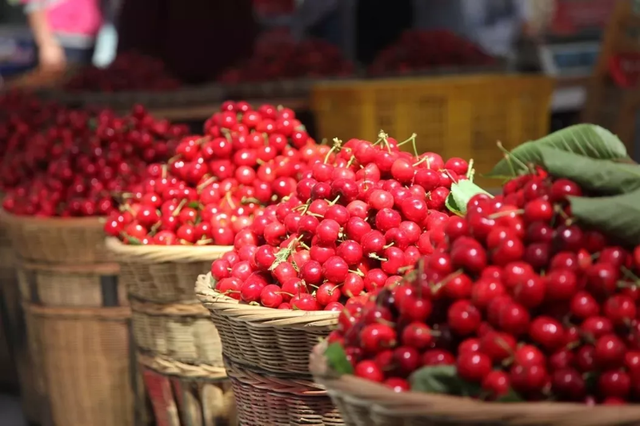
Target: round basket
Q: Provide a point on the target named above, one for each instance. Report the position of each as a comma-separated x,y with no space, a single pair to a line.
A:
185,394
84,357
364,403
274,399
274,340
56,240
71,285
162,274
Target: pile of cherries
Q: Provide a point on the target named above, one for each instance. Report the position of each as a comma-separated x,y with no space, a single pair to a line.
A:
77,162
128,72
517,297
20,113
287,60
423,50
216,185
355,223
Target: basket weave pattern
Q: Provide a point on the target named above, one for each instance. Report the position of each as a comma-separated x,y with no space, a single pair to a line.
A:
273,340
364,403
56,240
268,399
85,364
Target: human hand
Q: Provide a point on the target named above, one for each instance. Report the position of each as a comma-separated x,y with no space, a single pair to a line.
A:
51,57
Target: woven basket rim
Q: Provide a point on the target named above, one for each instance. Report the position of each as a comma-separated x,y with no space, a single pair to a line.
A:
158,254
95,268
259,315
384,400
54,221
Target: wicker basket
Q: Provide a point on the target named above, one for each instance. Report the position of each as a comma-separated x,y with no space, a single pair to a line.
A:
85,362
364,403
162,274
266,398
266,353
87,286
273,340
8,379
177,344
56,240
17,327
184,394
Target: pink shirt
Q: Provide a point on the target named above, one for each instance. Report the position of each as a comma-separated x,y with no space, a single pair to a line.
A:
75,22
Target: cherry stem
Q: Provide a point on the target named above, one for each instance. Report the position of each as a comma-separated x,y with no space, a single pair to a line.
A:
509,158
627,273
178,209
375,256
506,213
206,183
411,139
331,203
382,135
357,272
470,171
391,244
204,242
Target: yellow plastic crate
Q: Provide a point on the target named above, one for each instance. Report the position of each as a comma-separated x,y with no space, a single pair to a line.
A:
458,116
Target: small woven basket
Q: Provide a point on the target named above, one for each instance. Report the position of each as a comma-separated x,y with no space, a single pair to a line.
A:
265,398
177,345
185,394
266,352
162,274
56,240
364,403
274,340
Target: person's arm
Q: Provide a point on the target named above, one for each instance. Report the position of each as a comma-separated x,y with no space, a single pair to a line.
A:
50,53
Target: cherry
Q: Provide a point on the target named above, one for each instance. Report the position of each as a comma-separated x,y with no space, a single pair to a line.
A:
369,370
529,378
609,351
561,285
496,383
616,384
568,384
547,332
528,355
433,357
463,317
375,337
473,366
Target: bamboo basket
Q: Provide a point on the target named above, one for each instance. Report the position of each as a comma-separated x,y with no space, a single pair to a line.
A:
79,340
184,394
364,403
273,340
8,378
85,364
56,240
266,398
18,328
176,342
266,353
163,274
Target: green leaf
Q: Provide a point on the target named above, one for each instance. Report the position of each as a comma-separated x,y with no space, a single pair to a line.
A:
510,396
337,359
461,193
588,140
194,205
442,379
617,216
603,176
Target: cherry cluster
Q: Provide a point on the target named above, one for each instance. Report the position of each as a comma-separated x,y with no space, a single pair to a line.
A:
355,223
216,184
128,72
286,60
423,50
20,113
75,163
518,298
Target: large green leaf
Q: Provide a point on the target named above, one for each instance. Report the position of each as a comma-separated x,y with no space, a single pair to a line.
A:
461,193
602,176
337,359
617,216
442,379
588,140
